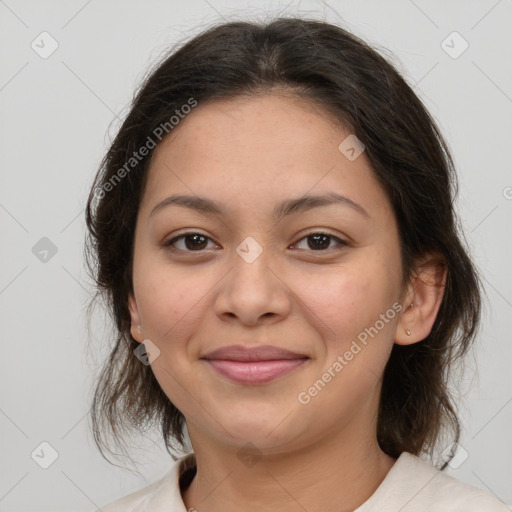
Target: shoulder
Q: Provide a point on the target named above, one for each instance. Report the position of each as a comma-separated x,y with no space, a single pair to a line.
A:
449,494
413,485
161,496
134,502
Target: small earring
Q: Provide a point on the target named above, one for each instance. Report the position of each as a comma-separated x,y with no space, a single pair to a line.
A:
138,327
408,332
411,305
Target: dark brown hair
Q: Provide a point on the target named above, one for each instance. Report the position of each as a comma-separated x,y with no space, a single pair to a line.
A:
353,82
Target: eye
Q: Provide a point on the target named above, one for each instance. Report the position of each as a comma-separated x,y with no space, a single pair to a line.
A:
190,242
197,242
321,241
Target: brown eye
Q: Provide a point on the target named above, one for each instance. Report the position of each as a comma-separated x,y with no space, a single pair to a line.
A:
321,241
190,242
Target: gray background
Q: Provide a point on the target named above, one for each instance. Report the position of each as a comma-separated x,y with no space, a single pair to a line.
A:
57,115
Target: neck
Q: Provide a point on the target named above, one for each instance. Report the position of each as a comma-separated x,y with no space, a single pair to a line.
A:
333,474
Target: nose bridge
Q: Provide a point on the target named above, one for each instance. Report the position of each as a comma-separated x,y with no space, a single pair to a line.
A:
251,263
251,288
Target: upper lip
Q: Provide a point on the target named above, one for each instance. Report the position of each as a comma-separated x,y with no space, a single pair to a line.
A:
259,353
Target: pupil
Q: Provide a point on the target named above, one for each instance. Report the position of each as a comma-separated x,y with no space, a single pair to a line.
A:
324,238
320,241
195,245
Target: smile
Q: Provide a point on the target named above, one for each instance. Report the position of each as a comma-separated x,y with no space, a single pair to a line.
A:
255,372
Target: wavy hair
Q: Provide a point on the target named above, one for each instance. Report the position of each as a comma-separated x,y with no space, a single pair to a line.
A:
362,89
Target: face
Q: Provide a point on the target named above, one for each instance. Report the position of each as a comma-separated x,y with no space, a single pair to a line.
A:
321,279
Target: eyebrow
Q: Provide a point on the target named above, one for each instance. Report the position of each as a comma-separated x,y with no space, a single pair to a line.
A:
288,207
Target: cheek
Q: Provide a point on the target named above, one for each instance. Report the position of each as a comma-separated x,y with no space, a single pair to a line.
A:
343,298
336,299
349,299
170,299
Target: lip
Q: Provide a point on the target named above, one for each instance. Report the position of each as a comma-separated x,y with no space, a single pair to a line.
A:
259,353
254,365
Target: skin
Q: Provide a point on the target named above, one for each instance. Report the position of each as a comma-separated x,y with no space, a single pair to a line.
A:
250,154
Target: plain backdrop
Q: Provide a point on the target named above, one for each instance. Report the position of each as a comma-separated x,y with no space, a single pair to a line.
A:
58,113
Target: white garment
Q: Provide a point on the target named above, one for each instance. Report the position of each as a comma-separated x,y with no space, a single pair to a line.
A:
412,485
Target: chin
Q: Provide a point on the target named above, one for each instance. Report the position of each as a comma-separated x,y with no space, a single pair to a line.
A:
267,432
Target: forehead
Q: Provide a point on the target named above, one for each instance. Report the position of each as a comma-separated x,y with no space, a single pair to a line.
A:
242,126
263,147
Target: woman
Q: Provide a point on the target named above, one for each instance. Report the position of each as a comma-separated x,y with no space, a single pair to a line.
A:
273,229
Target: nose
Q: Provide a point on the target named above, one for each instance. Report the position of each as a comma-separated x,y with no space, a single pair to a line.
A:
253,291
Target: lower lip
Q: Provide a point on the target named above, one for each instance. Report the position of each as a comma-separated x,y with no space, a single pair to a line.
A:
254,372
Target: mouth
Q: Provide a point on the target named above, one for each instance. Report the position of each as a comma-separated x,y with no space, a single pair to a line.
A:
254,365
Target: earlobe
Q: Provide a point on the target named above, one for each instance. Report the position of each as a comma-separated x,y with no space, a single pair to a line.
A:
424,298
135,328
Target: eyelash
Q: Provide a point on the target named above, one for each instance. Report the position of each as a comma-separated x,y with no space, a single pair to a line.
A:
341,243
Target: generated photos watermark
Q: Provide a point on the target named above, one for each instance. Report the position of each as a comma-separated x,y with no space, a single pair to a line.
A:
137,156
305,397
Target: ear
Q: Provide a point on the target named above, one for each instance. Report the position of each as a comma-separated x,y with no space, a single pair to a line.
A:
135,319
425,292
